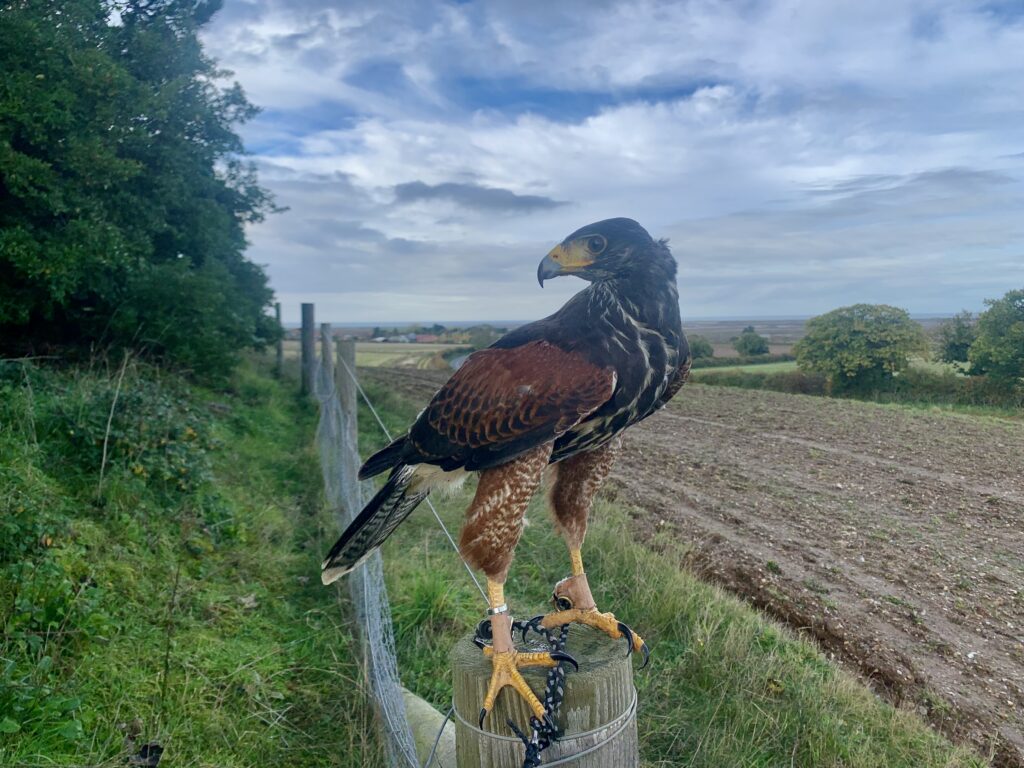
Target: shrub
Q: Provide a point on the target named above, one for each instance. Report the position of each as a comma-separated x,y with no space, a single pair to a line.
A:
999,349
700,347
955,337
794,382
750,342
860,347
910,385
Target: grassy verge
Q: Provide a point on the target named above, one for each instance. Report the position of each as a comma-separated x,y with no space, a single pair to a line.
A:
777,367
177,602
918,386
742,361
726,687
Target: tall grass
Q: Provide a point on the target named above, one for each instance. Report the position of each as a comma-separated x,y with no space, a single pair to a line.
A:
181,604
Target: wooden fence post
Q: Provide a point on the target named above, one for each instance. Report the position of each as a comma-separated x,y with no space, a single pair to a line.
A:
279,363
326,350
343,380
308,348
597,717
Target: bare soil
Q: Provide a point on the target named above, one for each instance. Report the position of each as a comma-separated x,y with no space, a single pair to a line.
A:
893,536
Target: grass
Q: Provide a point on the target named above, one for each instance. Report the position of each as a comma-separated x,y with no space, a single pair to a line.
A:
371,354
789,365
190,617
392,355
726,686
931,366
425,360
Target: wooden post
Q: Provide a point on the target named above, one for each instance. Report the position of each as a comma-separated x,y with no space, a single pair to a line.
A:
424,722
598,714
343,380
327,350
308,348
279,363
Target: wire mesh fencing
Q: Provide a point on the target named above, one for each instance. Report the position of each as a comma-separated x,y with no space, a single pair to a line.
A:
345,494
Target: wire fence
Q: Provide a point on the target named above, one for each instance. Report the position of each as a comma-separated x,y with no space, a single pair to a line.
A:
337,442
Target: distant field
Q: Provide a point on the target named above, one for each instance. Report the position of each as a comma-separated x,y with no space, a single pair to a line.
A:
371,354
781,333
931,366
719,332
789,365
725,349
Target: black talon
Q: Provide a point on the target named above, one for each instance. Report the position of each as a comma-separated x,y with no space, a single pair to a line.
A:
647,654
563,656
629,638
483,714
533,624
549,723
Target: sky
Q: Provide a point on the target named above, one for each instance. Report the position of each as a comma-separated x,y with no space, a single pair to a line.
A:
799,156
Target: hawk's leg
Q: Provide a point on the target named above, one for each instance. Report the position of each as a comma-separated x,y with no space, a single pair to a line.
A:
493,526
576,483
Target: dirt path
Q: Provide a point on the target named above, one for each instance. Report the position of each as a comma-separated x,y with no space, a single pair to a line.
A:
894,536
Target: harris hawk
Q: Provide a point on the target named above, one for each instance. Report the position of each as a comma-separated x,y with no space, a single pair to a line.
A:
558,392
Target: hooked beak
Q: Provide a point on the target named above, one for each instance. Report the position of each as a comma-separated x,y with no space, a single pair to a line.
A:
547,269
563,260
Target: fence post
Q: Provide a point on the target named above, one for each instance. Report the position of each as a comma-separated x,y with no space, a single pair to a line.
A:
308,348
597,716
344,382
279,363
326,352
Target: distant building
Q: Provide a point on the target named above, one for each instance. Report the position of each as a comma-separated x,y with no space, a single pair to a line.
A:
427,338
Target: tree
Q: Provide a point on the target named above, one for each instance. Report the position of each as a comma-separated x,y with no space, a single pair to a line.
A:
121,176
998,351
861,346
750,342
700,347
955,337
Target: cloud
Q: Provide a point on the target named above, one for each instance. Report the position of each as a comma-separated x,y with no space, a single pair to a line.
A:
473,196
800,155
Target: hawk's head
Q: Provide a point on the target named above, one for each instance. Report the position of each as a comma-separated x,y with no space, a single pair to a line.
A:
604,250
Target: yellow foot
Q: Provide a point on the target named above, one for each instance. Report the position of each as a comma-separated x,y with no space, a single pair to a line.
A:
506,666
606,622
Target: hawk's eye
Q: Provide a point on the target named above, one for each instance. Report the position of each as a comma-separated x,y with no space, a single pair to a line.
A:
596,244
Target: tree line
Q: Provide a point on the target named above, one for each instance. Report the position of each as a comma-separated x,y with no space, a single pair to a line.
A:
861,347
124,193
867,350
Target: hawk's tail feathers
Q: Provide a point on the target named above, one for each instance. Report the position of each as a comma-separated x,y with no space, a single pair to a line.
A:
378,520
384,459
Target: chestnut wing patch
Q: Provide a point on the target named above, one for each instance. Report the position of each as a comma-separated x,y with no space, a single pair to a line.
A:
502,402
